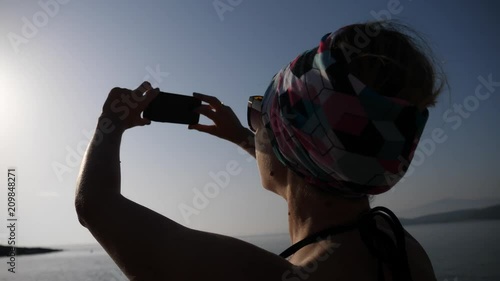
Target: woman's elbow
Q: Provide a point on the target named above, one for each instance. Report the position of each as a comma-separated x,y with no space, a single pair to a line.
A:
81,210
89,208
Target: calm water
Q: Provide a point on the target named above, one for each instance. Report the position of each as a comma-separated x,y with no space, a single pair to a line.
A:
459,252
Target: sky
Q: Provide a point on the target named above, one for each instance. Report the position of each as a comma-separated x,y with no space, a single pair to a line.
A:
58,61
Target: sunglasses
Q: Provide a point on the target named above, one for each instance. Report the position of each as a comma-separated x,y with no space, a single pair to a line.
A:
254,112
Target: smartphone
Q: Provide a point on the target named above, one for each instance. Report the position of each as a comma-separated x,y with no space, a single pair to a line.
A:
173,108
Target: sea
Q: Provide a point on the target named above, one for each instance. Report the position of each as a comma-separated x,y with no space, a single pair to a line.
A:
464,251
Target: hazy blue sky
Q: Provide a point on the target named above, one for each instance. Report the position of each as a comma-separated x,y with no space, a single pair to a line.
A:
55,77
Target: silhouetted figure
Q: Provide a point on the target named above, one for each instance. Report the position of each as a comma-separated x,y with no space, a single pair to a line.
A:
337,125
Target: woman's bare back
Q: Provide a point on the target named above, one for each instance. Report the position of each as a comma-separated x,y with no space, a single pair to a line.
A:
346,257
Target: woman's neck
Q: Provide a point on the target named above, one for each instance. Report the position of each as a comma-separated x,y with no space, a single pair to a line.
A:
310,211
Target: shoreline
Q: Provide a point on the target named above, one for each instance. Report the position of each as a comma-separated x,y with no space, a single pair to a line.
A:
6,251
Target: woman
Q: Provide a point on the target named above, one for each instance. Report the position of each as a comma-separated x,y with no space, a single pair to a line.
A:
337,125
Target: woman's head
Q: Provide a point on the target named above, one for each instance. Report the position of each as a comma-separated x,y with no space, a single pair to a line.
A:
392,59
347,115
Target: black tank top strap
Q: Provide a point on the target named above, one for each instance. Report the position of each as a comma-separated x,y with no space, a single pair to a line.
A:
382,246
322,235
379,243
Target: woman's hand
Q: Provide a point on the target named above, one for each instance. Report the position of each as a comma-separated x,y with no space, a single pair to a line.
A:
227,125
123,107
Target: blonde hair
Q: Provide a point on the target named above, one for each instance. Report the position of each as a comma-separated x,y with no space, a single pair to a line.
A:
395,62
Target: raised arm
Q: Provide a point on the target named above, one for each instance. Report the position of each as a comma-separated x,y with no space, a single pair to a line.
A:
144,244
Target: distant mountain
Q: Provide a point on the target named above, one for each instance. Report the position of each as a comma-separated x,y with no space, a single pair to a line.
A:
448,205
489,213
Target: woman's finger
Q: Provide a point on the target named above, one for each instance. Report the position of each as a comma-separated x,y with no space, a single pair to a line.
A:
207,111
213,101
145,86
138,93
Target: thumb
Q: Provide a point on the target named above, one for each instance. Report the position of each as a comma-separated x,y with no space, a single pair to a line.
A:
142,122
196,127
210,129
148,97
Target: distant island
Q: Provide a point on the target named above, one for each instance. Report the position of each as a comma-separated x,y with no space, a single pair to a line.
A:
6,251
445,205
489,213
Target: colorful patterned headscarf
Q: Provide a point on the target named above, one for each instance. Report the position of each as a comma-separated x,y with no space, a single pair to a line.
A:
334,131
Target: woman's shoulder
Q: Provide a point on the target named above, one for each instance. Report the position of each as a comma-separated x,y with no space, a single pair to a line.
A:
420,263
418,259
